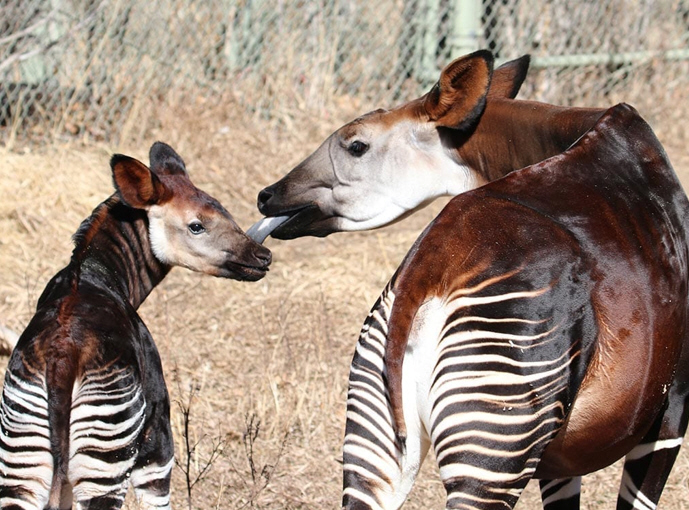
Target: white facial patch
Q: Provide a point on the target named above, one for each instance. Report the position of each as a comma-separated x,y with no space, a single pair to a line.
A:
160,243
442,173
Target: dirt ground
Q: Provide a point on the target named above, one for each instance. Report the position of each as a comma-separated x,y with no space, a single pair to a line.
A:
265,364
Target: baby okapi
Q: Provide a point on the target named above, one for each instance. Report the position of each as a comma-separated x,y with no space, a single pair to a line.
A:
85,410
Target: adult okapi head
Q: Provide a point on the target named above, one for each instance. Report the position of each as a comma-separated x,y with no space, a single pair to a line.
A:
387,164
187,227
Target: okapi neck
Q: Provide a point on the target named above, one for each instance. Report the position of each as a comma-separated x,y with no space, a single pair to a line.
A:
113,254
515,134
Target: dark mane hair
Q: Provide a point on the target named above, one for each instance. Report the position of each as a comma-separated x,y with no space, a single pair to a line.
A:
85,233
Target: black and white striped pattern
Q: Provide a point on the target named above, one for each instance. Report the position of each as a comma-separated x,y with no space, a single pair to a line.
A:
26,463
482,386
105,422
106,419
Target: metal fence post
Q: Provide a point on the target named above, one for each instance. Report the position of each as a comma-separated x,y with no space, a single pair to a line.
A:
35,69
466,27
431,34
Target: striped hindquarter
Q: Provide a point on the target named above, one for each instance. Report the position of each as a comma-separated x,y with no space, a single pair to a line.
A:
26,462
484,383
107,419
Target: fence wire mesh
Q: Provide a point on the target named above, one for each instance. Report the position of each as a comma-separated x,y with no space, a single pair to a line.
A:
95,68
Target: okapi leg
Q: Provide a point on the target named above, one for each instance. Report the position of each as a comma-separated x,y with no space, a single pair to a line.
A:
648,465
151,475
26,462
562,494
111,501
152,485
489,444
378,471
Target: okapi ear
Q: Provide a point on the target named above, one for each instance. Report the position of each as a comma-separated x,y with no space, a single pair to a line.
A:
459,97
137,185
164,160
508,78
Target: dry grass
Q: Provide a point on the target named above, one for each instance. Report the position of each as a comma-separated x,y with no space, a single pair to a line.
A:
276,351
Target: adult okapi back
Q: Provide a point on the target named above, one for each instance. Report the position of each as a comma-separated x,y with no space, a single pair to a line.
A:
85,409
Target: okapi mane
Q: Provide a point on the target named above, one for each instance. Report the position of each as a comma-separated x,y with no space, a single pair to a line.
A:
85,233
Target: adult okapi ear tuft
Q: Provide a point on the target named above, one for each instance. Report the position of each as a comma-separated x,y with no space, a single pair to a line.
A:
458,99
508,78
164,160
137,185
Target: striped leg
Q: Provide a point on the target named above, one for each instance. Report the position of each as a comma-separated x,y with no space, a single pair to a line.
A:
377,473
648,465
106,422
646,469
151,475
152,485
563,494
26,464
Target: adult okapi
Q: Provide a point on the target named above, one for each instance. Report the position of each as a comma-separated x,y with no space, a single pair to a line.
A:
537,327
85,411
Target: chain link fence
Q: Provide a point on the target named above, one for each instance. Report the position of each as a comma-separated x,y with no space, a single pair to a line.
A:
96,68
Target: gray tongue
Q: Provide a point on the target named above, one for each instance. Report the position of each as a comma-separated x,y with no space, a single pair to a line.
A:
262,228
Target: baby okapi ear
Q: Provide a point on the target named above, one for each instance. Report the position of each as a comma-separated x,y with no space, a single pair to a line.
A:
459,97
137,185
508,78
164,160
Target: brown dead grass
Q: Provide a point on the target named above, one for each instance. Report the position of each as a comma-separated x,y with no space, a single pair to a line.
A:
277,350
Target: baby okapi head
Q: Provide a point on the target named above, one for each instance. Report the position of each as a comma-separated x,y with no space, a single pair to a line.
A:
187,227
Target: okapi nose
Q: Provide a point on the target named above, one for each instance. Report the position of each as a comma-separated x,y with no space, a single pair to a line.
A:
264,197
263,255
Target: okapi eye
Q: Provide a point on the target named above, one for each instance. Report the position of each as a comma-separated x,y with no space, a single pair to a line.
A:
196,228
357,148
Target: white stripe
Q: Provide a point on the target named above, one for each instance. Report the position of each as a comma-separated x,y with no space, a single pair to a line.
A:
642,450
373,454
631,494
372,382
457,419
26,400
363,497
476,334
375,358
365,419
570,489
466,302
150,473
459,470
365,398
97,427
506,439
